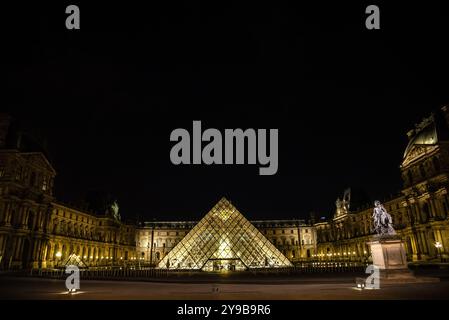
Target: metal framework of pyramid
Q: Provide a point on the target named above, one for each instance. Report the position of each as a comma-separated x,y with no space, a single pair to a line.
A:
224,240
73,259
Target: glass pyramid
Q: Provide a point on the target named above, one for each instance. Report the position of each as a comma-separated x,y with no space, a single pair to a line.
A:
73,259
224,240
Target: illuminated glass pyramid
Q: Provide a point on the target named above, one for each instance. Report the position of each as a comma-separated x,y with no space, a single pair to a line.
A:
73,259
224,240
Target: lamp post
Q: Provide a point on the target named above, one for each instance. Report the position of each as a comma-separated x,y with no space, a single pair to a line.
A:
148,252
438,245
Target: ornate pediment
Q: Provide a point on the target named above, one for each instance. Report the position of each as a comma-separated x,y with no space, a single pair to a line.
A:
417,151
39,160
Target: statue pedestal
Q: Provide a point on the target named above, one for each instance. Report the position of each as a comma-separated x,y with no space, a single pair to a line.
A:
389,256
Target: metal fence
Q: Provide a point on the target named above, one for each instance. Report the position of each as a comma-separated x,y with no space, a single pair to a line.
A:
313,268
105,274
154,273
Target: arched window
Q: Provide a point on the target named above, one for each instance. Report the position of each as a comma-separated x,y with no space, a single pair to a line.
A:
425,212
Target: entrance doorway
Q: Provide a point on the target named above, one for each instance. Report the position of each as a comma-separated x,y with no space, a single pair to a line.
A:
223,265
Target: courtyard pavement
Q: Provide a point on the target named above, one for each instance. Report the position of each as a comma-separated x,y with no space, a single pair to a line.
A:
329,288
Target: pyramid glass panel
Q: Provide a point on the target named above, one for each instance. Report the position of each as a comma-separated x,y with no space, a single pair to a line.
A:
224,240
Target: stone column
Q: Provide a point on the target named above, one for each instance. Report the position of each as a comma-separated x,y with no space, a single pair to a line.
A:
18,248
411,213
43,258
416,246
432,208
8,211
23,215
425,247
439,208
35,253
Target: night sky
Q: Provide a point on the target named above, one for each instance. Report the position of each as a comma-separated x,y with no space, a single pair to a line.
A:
106,98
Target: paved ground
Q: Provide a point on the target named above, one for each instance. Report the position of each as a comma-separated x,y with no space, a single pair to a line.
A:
313,288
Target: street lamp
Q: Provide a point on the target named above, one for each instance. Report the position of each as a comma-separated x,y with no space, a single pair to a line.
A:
438,245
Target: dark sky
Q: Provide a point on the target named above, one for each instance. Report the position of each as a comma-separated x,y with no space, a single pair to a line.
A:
107,97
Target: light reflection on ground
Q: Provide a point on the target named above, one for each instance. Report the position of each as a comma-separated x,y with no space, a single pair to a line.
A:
36,288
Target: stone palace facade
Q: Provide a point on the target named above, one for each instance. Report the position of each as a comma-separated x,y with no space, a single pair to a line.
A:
37,231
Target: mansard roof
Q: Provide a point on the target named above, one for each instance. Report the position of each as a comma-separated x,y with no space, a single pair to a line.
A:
426,135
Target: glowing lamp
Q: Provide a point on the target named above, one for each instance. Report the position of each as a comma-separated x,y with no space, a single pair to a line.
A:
360,283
